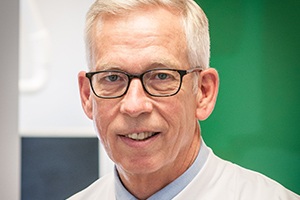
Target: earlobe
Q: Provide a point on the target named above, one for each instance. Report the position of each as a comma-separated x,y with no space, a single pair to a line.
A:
208,86
85,94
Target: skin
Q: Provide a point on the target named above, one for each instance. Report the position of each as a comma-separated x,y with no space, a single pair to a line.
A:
135,42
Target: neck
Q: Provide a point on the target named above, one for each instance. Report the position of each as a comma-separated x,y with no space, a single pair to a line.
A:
142,186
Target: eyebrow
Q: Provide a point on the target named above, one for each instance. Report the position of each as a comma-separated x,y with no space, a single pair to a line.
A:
163,64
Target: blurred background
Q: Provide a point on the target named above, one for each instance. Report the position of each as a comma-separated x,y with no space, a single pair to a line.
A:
254,47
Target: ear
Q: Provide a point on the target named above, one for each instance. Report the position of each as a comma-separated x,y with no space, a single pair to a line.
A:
208,86
85,94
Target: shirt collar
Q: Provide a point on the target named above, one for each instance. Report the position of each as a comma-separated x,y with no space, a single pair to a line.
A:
172,189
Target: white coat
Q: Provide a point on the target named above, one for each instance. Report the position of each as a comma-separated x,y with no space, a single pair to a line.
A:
217,180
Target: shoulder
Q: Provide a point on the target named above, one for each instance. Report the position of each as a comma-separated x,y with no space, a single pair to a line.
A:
220,179
102,188
245,183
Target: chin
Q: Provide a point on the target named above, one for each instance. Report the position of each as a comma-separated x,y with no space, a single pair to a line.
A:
140,167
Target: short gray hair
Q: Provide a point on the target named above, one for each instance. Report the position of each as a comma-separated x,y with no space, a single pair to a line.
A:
194,22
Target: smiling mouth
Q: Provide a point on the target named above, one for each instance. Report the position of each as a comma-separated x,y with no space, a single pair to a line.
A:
141,136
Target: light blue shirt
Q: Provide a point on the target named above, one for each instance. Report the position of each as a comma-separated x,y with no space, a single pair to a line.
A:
175,187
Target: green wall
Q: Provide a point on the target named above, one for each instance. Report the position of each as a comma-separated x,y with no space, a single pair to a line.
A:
256,122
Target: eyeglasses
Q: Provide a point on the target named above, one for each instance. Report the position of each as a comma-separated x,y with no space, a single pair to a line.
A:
156,82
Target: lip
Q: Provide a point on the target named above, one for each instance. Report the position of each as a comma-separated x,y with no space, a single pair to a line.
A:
139,143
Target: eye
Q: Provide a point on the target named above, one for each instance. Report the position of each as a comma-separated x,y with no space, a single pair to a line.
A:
112,78
162,76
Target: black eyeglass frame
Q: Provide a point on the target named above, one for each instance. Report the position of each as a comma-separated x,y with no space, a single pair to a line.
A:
182,73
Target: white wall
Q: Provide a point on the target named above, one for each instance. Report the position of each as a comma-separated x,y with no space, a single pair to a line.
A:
9,138
52,49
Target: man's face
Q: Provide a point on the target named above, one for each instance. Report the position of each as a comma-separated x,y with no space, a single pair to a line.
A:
166,127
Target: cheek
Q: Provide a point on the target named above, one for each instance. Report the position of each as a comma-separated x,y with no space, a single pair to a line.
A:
184,116
179,112
102,116
185,104
181,130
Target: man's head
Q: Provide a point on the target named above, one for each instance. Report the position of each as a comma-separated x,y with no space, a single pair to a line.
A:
192,18
148,136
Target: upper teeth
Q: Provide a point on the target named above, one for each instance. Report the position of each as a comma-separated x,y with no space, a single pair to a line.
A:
140,136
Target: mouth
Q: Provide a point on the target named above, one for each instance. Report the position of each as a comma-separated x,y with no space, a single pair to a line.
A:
141,136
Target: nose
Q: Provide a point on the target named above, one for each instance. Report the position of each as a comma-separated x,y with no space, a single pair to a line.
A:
136,102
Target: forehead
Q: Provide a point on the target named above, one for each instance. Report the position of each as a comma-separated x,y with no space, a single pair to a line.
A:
139,17
155,33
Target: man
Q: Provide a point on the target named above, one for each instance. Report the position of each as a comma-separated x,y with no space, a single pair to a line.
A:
149,84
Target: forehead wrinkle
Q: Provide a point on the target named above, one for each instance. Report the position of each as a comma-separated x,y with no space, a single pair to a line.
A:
152,64
140,22
108,57
132,37
140,38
